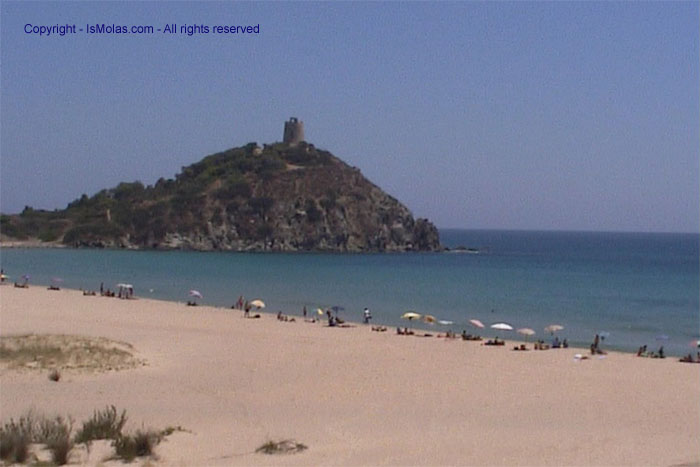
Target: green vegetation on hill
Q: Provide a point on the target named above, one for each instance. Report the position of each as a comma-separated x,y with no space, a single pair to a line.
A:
242,198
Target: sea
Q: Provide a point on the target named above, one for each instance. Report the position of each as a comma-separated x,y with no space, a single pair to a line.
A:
630,288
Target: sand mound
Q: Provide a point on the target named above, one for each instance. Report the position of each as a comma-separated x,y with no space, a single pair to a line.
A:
66,352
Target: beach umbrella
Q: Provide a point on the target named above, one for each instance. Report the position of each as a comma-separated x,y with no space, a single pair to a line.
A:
56,279
195,293
445,322
25,277
430,319
698,343
662,337
552,328
476,323
527,332
319,311
410,315
502,326
122,285
257,303
604,334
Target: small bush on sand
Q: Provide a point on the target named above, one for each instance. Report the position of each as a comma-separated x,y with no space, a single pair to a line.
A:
285,446
142,443
15,438
55,375
104,424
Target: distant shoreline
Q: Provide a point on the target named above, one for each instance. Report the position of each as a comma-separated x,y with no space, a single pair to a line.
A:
35,243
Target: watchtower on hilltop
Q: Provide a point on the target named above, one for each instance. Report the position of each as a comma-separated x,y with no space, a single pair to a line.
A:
293,131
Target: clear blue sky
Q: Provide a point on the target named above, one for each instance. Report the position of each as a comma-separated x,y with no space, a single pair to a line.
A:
548,115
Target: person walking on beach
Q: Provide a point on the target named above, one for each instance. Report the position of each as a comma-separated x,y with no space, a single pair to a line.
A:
304,311
367,315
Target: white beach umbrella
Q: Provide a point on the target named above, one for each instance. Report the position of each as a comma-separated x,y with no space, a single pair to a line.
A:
502,326
258,303
476,323
195,293
527,332
552,328
445,322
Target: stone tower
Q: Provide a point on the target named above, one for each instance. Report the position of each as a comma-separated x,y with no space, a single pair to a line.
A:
293,131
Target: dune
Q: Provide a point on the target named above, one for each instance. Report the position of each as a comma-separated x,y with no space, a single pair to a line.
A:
352,396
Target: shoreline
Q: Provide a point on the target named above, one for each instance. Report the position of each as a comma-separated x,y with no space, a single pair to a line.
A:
236,383
391,328
322,321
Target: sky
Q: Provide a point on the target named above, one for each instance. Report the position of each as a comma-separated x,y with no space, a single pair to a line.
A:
476,115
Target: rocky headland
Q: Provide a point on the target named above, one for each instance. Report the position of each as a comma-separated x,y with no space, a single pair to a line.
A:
279,197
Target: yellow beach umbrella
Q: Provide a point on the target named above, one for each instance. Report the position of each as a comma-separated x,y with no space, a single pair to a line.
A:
430,319
319,311
410,315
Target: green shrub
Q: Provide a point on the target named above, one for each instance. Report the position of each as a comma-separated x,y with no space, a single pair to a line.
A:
312,212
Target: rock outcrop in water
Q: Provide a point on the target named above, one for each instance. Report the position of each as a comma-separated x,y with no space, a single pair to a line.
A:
279,197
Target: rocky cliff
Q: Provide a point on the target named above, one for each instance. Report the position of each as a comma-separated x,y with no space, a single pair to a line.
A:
275,198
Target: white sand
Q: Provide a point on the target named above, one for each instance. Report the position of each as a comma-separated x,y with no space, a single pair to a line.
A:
354,397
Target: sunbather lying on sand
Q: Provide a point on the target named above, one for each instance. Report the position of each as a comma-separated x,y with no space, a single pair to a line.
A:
494,342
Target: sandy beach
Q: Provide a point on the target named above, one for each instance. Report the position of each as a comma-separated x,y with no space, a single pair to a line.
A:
353,396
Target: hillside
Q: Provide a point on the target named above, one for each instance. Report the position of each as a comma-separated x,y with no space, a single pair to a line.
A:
279,197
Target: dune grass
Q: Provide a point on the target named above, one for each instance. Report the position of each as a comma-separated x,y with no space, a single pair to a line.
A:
104,424
56,434
32,351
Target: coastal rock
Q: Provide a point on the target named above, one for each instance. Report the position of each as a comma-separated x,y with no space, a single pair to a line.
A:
281,197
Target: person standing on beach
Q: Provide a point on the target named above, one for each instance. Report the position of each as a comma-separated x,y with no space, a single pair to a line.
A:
304,311
367,315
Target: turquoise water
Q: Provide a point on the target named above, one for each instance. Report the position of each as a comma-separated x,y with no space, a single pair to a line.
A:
636,287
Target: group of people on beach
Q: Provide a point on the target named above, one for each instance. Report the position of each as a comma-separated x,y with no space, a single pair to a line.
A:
125,292
689,358
20,285
643,352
